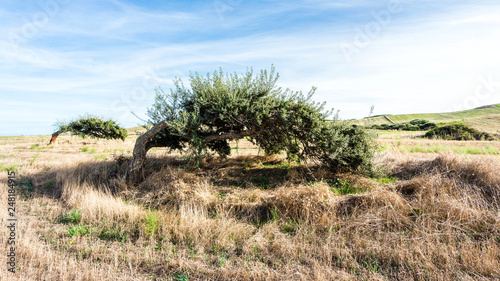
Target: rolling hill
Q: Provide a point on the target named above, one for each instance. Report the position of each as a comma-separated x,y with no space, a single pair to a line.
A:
485,118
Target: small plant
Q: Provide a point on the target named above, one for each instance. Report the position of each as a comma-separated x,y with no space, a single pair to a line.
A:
387,180
77,230
100,156
114,235
73,217
152,223
275,214
179,276
343,187
84,149
34,159
8,168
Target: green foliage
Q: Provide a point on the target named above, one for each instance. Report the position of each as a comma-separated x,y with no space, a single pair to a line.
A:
79,229
219,107
457,131
7,168
343,187
413,125
152,223
93,127
179,276
74,217
114,235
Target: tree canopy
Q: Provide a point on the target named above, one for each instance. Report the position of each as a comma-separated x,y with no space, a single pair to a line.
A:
91,126
220,107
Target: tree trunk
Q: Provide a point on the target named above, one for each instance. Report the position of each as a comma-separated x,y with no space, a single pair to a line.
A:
134,171
54,137
143,144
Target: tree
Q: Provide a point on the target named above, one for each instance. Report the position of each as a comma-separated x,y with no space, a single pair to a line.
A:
221,107
91,126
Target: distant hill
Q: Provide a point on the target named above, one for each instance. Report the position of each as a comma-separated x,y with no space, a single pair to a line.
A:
133,130
485,118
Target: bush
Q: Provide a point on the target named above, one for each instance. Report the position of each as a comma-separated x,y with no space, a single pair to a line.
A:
457,132
413,125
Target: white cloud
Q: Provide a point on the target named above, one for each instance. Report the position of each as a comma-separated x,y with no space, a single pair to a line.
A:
420,62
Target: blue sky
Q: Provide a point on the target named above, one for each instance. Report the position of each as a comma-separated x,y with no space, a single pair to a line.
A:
63,58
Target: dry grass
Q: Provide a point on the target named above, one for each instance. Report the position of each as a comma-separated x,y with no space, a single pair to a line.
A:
433,217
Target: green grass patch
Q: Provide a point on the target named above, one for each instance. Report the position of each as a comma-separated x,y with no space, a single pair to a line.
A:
440,148
343,187
152,223
73,217
75,230
7,168
39,147
100,156
114,235
88,149
34,159
386,180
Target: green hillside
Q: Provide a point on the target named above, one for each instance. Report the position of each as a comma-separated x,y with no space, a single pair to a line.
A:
486,119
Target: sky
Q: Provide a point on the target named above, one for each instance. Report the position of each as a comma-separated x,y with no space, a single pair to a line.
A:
60,59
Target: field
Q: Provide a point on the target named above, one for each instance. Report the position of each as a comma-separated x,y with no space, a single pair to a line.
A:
484,119
431,213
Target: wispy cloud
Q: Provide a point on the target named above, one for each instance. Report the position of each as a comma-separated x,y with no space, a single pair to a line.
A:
106,57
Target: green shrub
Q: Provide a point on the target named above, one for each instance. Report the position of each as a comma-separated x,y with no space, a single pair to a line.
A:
413,125
457,131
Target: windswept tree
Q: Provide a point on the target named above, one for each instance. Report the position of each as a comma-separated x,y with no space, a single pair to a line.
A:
90,126
220,107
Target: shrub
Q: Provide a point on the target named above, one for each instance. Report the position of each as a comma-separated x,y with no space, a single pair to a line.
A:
413,125
457,131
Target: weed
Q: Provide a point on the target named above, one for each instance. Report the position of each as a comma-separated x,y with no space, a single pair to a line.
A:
100,156
79,229
387,180
179,276
114,235
343,187
275,213
74,217
34,158
8,168
152,223
38,147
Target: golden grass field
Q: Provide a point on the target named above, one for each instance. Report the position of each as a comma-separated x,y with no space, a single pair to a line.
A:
433,215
